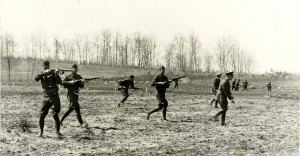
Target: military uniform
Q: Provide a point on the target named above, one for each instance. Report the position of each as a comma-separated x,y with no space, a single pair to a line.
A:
237,86
161,94
233,84
224,93
72,95
245,85
125,84
50,82
216,83
269,87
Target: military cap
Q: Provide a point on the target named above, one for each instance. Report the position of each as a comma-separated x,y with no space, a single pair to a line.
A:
162,67
229,73
46,63
218,74
74,66
131,76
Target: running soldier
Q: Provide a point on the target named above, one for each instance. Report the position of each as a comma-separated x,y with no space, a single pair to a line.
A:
50,80
224,93
126,85
245,85
73,83
161,83
237,85
269,86
233,84
216,83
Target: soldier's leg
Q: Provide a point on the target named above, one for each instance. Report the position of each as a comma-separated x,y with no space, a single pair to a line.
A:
216,104
125,95
160,106
165,106
70,109
78,114
43,113
224,108
56,109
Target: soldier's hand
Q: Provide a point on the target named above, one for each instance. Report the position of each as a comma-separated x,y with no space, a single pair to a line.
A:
232,101
82,81
56,71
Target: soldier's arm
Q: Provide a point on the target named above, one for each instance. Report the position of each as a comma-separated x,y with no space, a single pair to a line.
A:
39,77
156,83
227,91
57,78
81,84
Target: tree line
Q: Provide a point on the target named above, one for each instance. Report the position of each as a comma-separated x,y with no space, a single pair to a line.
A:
182,53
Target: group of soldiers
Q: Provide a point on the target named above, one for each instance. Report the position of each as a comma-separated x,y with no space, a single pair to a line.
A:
50,79
236,85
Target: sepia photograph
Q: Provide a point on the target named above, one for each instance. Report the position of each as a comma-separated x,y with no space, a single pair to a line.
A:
150,77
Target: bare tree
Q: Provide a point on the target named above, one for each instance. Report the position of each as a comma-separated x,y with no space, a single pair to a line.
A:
194,52
170,55
181,57
208,62
8,51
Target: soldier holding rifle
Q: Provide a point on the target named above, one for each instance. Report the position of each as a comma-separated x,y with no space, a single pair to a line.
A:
125,86
73,83
50,80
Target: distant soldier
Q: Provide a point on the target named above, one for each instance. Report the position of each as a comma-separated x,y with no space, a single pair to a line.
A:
176,84
269,86
50,80
222,95
73,83
237,85
126,84
233,84
161,82
245,85
216,83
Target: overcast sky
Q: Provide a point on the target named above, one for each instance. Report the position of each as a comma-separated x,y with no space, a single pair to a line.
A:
269,29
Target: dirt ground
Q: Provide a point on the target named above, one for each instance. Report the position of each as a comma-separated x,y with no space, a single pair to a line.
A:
260,123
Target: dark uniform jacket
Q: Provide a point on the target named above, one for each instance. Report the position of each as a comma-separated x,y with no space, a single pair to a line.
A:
269,85
75,87
49,81
160,78
216,83
245,84
126,83
224,90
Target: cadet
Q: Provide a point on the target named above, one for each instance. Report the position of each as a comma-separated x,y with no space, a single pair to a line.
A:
269,87
224,93
73,83
237,85
126,84
245,85
50,80
161,83
176,84
216,83
233,84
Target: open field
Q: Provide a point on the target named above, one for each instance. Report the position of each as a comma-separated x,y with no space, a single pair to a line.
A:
260,123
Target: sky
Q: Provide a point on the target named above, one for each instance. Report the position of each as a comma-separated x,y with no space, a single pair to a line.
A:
269,29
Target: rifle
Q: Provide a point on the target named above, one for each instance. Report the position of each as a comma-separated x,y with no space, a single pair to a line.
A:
61,71
175,79
89,79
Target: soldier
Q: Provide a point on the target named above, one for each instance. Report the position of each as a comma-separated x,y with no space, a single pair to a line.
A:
50,80
237,85
126,84
245,85
269,87
176,84
73,83
233,84
161,82
224,93
216,83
